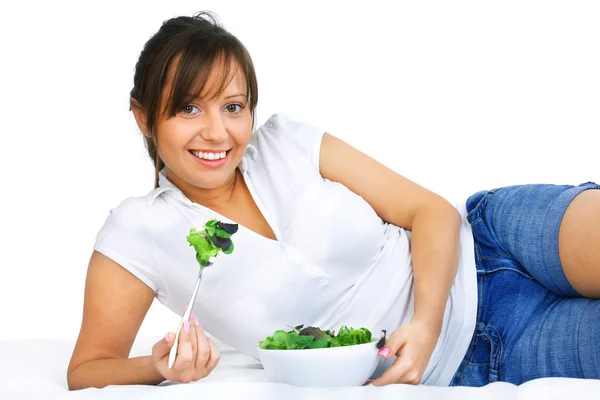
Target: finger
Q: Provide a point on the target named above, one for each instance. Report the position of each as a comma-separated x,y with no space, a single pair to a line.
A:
203,353
164,345
393,344
215,356
185,354
193,341
393,374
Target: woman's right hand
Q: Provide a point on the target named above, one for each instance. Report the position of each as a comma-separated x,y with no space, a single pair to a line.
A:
197,355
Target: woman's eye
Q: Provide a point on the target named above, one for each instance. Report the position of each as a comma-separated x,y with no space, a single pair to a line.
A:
234,108
189,109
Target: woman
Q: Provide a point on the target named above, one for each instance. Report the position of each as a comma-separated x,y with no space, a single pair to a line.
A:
500,287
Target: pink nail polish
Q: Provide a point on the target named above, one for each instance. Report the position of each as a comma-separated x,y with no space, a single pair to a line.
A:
167,337
196,322
186,326
385,351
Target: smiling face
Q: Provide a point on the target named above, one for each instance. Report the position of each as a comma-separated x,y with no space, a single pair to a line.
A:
202,140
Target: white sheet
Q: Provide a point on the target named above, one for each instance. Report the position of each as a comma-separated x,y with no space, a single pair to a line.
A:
36,369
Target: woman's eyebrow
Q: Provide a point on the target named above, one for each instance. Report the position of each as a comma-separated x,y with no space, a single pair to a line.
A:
235,95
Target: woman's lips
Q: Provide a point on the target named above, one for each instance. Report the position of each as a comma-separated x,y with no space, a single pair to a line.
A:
208,162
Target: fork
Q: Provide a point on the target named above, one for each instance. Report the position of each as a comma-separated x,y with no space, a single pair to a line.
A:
185,317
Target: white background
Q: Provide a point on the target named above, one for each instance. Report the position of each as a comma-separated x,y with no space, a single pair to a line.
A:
458,96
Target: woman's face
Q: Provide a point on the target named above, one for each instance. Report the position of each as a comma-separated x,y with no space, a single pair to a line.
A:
205,141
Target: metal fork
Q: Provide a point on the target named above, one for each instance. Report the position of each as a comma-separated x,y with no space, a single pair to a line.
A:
185,317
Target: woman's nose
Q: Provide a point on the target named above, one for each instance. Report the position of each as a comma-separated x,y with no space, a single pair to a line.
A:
214,129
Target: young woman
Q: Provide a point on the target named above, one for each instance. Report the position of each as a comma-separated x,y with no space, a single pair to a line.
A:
498,288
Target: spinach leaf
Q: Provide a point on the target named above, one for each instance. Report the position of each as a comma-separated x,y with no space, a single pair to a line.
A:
295,341
320,343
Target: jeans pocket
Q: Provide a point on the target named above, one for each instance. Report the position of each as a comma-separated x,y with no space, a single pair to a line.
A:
476,203
486,246
486,359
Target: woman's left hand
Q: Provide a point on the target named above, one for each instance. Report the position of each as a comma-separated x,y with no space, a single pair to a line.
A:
412,343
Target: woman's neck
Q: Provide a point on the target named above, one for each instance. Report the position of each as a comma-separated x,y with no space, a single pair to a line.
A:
215,198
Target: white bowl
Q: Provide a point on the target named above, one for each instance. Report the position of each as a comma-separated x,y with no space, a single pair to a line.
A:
328,367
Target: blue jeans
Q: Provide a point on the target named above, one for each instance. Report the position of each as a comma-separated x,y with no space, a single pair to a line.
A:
531,323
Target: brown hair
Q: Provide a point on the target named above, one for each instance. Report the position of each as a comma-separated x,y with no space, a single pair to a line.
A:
199,43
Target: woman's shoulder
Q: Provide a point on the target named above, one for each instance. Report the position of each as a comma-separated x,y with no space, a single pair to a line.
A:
126,237
132,209
289,134
129,213
135,218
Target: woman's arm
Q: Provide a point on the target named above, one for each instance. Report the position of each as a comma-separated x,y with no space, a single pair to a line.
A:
435,225
435,245
115,305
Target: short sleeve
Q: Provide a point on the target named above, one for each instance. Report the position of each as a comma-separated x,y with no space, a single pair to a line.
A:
125,239
297,136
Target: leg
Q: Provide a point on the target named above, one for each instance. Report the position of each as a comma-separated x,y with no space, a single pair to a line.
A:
579,243
560,339
525,331
527,327
527,221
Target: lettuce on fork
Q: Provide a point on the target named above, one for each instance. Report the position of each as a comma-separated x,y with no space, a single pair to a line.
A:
213,239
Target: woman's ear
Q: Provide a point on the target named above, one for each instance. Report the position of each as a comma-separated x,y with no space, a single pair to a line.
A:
140,116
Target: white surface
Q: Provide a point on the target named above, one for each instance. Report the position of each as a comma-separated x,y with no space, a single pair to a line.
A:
36,369
456,95
330,367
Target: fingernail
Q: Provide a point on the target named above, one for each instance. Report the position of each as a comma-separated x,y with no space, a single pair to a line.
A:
186,326
167,337
385,351
196,322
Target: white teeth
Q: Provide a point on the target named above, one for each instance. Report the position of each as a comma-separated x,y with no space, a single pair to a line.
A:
209,156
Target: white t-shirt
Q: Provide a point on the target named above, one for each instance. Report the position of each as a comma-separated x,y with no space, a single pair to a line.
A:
334,261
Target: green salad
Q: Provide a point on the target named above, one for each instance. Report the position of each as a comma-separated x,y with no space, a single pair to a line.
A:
314,338
213,239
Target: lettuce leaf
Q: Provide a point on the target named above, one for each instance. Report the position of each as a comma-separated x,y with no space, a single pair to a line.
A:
213,239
